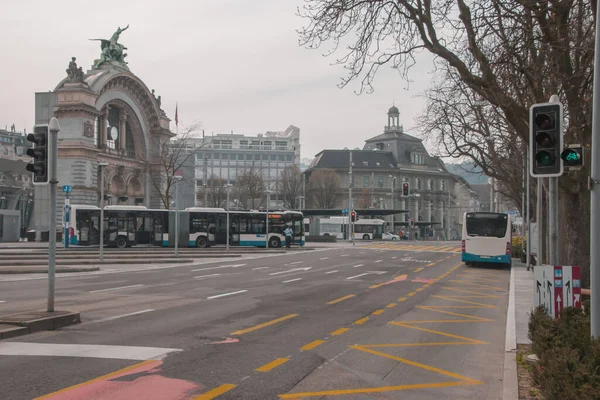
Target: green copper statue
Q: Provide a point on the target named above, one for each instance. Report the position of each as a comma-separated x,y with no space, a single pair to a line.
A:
112,51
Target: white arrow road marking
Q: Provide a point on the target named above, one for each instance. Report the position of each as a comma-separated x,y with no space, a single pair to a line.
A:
84,350
291,270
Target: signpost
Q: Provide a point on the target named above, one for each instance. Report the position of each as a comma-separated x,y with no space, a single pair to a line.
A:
67,189
557,287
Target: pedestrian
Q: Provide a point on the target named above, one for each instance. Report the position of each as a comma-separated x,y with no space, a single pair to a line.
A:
289,234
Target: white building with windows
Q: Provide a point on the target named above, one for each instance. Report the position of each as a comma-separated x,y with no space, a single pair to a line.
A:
225,156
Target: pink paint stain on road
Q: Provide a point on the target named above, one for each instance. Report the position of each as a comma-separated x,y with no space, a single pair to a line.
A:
148,385
228,340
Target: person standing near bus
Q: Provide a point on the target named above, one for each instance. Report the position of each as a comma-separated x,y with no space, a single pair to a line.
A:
289,234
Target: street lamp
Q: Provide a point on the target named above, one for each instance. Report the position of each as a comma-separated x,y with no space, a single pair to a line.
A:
101,166
177,179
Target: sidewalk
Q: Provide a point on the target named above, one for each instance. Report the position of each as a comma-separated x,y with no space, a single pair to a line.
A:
523,300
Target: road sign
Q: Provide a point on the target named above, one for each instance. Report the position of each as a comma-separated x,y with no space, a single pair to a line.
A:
345,211
67,188
557,287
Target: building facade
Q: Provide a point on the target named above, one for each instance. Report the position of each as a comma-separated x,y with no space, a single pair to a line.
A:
226,156
378,172
110,123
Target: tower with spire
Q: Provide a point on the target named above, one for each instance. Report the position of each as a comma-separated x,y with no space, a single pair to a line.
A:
393,121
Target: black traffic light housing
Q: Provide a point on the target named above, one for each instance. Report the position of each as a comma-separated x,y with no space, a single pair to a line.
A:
405,189
572,156
546,140
353,216
40,152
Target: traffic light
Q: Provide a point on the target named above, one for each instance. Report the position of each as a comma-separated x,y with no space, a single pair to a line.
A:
39,152
353,216
572,156
412,221
405,189
546,140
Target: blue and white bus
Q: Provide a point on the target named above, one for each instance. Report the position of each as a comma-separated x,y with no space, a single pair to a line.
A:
486,238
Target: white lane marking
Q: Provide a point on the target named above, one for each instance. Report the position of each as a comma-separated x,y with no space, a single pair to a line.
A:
290,270
344,255
296,262
123,316
359,265
292,280
358,276
377,272
84,350
378,261
256,269
206,276
222,266
324,258
116,288
393,258
226,294
331,272
2,301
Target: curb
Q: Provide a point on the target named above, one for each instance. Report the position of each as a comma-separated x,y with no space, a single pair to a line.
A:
59,270
25,323
510,384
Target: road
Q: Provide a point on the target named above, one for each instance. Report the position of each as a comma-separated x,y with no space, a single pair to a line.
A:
383,321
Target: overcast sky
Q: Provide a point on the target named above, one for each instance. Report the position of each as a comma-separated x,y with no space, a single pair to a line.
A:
230,64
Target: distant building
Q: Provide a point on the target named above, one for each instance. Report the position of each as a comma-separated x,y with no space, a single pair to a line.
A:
379,170
226,156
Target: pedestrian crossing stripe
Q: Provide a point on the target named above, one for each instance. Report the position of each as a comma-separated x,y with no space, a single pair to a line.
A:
432,249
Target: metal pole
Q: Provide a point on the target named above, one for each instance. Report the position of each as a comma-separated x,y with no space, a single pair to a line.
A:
101,213
67,216
349,230
53,128
595,191
553,209
176,218
393,204
528,211
538,218
228,218
492,196
267,224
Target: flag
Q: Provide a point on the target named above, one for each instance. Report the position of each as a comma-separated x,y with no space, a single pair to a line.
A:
176,116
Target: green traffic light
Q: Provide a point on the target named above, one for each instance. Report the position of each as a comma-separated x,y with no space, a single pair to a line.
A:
571,156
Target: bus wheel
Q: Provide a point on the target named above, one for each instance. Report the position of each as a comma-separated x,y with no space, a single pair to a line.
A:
201,242
366,237
121,242
274,242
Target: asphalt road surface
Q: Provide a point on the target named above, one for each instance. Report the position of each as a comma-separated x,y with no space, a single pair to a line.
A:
375,321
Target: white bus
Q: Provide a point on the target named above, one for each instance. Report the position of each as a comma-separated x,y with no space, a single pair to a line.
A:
486,238
367,229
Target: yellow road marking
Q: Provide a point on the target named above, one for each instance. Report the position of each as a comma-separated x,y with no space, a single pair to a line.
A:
419,269
465,339
482,305
377,312
420,289
339,331
391,305
477,284
312,345
361,321
427,285
264,324
473,317
377,286
376,390
402,299
478,294
411,294
341,299
273,364
477,279
100,378
216,392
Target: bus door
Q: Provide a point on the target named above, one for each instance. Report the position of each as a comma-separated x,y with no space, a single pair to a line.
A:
158,228
212,227
234,229
221,229
144,229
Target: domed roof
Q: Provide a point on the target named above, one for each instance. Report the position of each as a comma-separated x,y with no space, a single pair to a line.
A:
394,110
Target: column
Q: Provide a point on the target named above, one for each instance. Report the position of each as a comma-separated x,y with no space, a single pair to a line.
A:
122,130
104,128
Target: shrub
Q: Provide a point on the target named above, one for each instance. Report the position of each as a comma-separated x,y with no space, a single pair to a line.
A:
569,359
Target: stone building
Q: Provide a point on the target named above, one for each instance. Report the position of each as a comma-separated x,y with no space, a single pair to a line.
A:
106,115
379,170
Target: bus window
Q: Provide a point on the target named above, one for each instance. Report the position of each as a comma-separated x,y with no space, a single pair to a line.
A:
486,225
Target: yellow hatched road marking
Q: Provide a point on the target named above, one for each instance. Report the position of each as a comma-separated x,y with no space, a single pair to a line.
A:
391,305
312,345
477,284
340,331
478,294
419,269
361,321
377,312
411,294
264,324
273,364
402,299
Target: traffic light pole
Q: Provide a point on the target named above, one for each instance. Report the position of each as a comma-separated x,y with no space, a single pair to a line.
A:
553,207
595,191
349,230
52,155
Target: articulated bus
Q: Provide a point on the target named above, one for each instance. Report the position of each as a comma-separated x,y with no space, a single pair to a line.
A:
486,238
365,228
126,226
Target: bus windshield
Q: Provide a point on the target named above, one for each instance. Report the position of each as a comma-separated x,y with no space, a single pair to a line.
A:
487,224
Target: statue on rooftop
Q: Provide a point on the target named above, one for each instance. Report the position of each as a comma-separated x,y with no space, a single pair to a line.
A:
112,51
74,74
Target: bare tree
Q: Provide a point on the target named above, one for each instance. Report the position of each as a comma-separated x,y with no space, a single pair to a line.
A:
510,53
323,186
366,198
250,186
215,190
289,186
170,157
